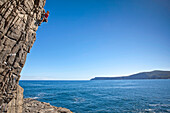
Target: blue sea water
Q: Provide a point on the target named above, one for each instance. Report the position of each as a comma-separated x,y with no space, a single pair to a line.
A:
102,96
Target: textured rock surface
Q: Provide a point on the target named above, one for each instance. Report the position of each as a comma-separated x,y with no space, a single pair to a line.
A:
34,106
17,35
16,104
18,28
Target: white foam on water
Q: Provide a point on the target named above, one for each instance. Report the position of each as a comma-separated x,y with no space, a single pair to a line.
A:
164,105
35,97
154,105
149,109
41,94
78,100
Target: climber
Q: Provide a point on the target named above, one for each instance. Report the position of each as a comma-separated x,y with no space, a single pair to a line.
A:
44,17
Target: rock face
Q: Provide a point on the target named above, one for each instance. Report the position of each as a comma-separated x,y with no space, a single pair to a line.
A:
18,28
16,104
17,35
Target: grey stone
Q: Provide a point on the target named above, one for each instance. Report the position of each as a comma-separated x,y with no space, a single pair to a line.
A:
17,35
34,106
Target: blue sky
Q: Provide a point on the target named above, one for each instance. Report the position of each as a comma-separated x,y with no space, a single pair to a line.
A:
88,38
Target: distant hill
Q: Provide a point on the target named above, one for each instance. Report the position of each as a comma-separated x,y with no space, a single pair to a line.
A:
157,74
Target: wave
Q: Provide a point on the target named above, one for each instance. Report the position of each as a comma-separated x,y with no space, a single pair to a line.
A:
35,97
163,105
41,94
78,100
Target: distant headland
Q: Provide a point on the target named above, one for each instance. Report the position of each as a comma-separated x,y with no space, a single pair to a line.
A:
157,74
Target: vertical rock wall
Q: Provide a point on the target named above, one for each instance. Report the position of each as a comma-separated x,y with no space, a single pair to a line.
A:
17,35
16,104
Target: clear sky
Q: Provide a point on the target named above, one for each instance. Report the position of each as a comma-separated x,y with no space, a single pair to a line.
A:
88,38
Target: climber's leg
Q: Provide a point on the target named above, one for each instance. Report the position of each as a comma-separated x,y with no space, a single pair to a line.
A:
45,19
41,21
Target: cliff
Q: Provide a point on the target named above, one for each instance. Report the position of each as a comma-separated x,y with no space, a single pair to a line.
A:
143,75
18,26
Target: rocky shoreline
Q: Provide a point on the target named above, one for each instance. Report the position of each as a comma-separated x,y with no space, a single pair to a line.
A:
34,106
28,105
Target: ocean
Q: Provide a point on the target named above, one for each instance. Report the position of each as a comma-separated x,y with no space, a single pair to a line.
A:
104,96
